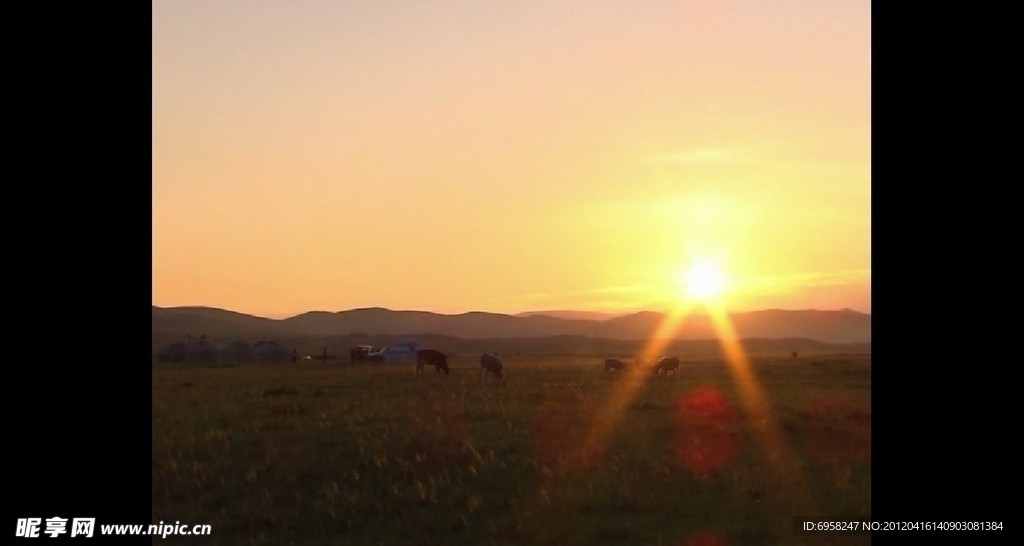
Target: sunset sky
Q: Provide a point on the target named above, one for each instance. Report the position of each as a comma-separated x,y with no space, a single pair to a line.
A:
507,156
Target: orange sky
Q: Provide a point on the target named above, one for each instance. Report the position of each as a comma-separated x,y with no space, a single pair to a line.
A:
460,155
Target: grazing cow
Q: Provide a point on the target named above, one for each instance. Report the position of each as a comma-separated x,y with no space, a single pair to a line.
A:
490,363
667,365
614,365
431,357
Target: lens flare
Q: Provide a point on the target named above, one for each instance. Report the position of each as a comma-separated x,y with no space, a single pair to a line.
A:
707,431
708,427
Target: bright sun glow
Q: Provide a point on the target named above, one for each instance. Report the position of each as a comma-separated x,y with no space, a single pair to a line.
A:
703,281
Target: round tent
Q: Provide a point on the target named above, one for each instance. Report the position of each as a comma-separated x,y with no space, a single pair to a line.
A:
236,351
271,351
402,351
173,352
201,351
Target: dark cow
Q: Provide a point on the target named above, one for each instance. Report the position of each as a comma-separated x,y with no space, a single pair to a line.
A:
614,365
667,365
431,357
490,363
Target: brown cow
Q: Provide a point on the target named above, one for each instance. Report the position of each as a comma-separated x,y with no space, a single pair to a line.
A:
667,365
614,365
490,363
431,357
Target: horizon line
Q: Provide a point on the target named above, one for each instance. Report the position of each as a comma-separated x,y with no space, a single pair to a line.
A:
613,314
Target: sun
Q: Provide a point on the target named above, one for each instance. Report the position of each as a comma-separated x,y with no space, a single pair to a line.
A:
703,281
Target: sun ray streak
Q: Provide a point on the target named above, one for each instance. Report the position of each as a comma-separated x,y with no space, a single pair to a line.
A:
612,410
782,464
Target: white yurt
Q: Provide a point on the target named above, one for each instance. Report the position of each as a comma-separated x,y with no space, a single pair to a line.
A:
201,350
173,352
402,351
236,351
270,351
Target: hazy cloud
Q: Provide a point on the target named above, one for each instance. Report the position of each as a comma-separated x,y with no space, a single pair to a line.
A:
808,279
704,156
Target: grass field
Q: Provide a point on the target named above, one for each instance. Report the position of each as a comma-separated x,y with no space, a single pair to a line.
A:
336,453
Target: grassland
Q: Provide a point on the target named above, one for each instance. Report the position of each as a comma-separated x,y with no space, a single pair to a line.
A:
331,453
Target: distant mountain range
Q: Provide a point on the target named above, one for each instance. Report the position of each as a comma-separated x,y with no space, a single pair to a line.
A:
569,314
844,326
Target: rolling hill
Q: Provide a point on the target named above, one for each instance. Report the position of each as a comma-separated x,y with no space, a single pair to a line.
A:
844,326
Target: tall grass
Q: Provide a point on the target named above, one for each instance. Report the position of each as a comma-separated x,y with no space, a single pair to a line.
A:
373,454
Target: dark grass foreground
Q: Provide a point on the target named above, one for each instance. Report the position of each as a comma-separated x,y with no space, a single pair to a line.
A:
316,454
